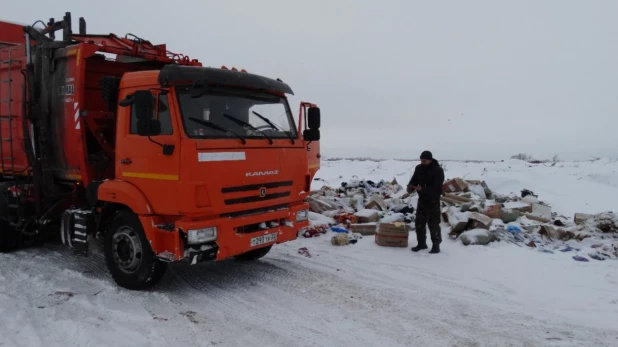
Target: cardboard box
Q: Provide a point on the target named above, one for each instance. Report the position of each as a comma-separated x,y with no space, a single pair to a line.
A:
580,218
548,231
377,203
455,185
493,211
518,206
479,221
392,235
364,229
457,220
367,216
541,210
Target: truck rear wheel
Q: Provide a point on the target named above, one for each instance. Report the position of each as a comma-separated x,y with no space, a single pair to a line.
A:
128,255
9,236
254,254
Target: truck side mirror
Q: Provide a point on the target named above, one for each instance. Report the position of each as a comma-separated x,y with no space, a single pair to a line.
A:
143,105
126,102
148,127
310,135
313,118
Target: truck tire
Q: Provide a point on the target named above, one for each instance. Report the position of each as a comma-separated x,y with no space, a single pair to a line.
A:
9,236
128,255
254,254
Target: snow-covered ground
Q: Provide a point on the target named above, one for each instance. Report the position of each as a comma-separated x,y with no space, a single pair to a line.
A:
355,295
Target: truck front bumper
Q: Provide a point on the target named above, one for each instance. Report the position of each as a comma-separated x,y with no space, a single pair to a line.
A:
237,235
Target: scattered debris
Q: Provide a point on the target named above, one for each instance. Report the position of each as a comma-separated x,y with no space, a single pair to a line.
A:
364,229
304,251
478,237
339,230
526,192
580,258
190,316
606,222
339,240
65,294
315,230
599,256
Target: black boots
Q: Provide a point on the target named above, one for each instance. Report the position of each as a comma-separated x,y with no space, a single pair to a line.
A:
434,248
419,247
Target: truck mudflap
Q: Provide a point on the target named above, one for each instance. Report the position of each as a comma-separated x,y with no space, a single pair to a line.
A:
235,236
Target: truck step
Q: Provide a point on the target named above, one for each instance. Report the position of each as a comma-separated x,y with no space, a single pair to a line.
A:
15,206
8,158
5,81
6,100
8,176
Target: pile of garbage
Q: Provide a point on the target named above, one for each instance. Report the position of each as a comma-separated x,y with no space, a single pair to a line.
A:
357,207
476,214
479,216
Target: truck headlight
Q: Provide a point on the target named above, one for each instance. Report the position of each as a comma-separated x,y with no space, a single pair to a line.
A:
198,236
302,215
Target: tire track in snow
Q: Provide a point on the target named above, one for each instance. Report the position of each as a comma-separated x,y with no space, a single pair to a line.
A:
287,299
269,294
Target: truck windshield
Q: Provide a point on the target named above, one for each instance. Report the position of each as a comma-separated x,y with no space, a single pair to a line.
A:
268,115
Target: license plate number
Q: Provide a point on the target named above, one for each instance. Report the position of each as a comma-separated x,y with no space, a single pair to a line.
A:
260,240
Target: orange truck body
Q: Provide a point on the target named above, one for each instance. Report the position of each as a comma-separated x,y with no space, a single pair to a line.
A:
67,145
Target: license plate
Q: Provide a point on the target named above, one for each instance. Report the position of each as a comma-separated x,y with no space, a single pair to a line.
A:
260,240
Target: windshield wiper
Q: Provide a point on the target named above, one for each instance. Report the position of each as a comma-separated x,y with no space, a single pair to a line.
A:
273,126
217,127
241,122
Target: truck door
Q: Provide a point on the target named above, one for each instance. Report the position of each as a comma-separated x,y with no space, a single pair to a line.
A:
151,163
310,118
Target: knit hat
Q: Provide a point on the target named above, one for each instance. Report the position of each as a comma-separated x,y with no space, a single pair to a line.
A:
426,155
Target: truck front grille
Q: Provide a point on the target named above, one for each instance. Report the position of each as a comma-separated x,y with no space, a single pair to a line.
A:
256,198
251,187
260,192
254,211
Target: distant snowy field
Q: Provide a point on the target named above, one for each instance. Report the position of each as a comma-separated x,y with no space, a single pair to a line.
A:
356,295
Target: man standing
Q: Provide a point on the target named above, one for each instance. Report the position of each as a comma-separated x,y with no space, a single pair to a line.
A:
427,180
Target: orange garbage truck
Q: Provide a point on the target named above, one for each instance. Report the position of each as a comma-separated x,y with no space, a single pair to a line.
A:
118,142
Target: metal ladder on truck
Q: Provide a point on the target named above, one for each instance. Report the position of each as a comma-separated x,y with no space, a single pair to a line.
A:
8,115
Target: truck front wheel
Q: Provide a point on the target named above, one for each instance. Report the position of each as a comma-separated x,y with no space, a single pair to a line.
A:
128,255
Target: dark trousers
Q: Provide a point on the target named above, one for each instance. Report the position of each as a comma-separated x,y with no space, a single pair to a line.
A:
428,212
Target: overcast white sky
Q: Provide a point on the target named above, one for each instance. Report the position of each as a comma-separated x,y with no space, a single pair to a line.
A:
474,79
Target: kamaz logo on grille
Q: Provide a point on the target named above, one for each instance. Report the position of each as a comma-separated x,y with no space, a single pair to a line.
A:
262,173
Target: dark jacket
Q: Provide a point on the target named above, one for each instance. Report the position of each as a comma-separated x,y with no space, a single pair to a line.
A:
431,178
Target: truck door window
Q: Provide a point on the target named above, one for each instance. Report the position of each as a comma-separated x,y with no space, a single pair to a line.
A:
163,114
